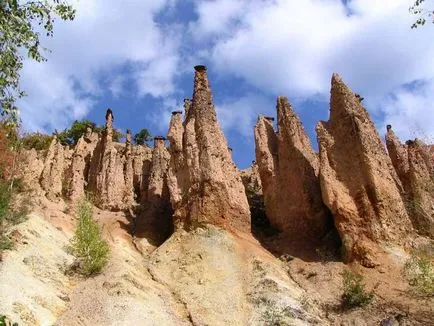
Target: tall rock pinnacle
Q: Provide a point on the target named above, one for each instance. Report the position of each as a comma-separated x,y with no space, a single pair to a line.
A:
289,173
205,185
358,182
414,165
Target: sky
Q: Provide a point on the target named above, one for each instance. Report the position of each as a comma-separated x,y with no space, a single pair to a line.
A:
137,57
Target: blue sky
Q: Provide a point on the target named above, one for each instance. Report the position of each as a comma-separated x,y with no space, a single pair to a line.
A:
137,57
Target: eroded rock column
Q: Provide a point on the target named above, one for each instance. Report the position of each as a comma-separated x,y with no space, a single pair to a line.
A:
211,190
414,165
358,182
289,173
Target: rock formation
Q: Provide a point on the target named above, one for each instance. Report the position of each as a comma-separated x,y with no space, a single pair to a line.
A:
414,165
31,167
288,167
56,165
252,180
128,199
108,183
358,182
205,185
80,165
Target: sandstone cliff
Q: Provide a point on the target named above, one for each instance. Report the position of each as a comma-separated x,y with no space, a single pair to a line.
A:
358,182
289,169
414,165
205,185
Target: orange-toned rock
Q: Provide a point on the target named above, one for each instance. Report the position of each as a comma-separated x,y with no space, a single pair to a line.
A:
358,182
414,165
53,178
289,173
206,187
80,165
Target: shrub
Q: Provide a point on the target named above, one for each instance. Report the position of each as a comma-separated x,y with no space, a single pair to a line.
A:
419,271
87,244
354,294
79,128
142,137
36,140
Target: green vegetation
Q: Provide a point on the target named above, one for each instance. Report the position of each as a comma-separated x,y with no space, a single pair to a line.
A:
354,294
419,271
87,244
418,8
142,137
36,140
19,34
71,135
9,216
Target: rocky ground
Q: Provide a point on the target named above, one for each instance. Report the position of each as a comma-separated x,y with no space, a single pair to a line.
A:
204,277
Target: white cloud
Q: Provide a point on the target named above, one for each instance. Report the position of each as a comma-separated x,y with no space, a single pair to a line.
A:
411,111
292,47
241,114
105,35
216,17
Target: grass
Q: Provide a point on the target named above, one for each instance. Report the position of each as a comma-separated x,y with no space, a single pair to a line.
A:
87,244
419,271
355,294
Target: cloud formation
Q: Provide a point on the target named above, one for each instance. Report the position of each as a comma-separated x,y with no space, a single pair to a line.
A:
106,35
293,47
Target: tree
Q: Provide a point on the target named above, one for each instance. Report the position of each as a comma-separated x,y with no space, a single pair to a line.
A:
79,128
142,137
19,34
419,9
87,244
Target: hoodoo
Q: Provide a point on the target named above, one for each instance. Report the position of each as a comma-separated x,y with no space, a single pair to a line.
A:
358,182
414,165
205,185
288,167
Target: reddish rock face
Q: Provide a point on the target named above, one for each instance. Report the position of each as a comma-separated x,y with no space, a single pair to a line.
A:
414,165
205,185
288,167
358,182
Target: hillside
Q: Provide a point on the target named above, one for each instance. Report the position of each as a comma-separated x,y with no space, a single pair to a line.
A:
195,241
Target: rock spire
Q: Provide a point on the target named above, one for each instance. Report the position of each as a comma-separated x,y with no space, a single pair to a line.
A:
358,182
205,185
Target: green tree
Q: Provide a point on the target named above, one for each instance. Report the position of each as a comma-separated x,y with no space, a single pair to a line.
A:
36,140
78,128
71,135
419,9
87,244
19,34
142,137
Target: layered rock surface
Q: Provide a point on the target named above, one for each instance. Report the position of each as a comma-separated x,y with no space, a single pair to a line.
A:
358,182
114,175
288,167
414,165
205,185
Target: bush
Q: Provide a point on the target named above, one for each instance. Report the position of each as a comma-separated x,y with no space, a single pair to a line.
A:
142,137
36,140
354,294
9,216
79,128
419,271
87,244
